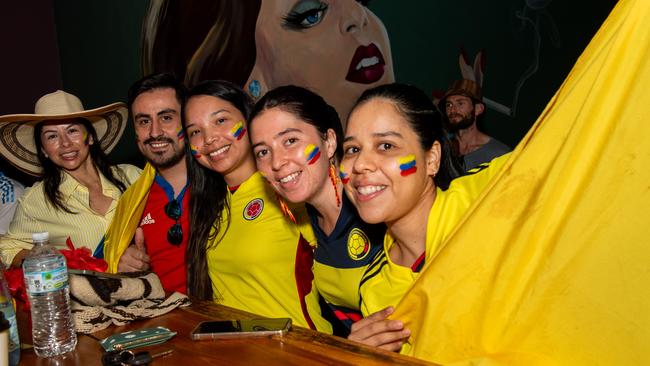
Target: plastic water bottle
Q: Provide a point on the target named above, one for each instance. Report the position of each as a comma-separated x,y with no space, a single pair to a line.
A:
4,340
46,281
7,309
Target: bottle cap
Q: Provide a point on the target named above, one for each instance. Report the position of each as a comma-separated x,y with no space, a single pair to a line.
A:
41,236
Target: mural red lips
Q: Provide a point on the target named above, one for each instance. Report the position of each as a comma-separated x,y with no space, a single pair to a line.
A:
367,65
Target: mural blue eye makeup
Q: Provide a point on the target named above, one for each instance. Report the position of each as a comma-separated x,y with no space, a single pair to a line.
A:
305,14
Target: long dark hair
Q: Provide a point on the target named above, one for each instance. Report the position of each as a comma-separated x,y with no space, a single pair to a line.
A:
200,39
306,106
53,174
208,196
425,120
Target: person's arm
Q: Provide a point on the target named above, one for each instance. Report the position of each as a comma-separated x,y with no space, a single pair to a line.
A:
378,331
15,245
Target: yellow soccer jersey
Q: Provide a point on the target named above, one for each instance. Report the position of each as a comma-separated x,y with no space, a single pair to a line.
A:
261,265
385,283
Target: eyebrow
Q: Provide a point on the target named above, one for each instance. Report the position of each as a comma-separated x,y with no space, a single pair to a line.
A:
219,111
280,134
164,111
378,134
190,124
71,124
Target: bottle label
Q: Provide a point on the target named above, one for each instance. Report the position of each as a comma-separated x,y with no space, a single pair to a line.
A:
47,281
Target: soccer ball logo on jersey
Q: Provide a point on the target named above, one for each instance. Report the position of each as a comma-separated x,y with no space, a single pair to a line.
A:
358,244
253,209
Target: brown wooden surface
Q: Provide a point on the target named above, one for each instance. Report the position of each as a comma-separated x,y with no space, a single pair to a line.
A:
299,346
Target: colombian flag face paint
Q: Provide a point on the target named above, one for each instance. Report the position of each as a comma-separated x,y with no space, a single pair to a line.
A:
195,151
407,165
84,137
345,177
238,131
312,153
179,133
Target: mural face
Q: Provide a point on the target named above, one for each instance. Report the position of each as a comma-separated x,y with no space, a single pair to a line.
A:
336,48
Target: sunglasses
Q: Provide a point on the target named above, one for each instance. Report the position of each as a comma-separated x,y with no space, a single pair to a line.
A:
175,233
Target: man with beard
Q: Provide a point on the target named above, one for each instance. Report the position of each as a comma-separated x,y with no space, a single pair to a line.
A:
152,221
463,105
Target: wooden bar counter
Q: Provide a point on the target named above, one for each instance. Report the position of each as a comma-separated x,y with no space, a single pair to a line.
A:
299,346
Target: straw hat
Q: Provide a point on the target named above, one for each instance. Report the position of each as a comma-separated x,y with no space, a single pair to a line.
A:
468,88
17,130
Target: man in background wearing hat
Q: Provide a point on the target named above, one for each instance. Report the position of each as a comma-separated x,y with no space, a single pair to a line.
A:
463,106
153,225
66,146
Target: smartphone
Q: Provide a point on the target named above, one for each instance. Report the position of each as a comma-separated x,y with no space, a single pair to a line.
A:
241,328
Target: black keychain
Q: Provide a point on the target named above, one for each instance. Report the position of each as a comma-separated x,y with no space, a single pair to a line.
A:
128,358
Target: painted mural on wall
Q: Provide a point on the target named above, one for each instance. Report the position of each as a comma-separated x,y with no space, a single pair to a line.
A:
336,48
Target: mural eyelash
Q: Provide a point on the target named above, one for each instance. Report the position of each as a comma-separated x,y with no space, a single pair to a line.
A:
297,20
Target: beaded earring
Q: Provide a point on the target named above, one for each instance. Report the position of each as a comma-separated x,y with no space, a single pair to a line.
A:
285,209
334,179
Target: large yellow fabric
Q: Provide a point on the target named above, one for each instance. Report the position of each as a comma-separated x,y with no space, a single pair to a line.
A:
127,218
552,264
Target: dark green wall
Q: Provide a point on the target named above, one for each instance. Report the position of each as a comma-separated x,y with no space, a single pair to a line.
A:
426,37
99,44
99,50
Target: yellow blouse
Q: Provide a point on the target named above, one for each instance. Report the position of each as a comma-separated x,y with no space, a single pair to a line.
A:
85,227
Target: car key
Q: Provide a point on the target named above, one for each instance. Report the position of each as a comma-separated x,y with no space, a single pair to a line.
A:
123,358
145,358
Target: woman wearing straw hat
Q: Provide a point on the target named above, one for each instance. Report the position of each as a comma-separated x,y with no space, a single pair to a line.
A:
66,146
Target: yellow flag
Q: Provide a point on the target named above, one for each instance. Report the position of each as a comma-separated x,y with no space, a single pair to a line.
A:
552,265
127,218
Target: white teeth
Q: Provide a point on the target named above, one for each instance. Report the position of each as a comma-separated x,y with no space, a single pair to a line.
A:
69,154
157,145
220,151
290,177
368,61
366,190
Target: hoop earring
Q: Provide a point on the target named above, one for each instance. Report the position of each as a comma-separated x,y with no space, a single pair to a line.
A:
334,179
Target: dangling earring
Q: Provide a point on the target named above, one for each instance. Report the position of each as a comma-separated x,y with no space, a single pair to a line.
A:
334,179
285,209
254,89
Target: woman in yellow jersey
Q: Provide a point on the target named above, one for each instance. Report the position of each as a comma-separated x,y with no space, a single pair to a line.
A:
296,140
65,145
398,157
244,251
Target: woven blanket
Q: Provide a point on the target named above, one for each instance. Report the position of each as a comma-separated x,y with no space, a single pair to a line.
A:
98,302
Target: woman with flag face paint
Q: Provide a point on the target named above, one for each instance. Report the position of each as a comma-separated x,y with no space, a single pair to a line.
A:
400,168
244,251
295,136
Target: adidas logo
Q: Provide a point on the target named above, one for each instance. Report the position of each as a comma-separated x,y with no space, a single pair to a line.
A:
147,220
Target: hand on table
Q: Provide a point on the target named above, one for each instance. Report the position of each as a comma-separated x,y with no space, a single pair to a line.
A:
135,257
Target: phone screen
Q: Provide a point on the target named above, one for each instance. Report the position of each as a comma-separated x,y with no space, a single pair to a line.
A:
266,326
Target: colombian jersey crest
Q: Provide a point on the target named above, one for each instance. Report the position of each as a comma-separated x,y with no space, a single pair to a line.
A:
358,244
253,209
